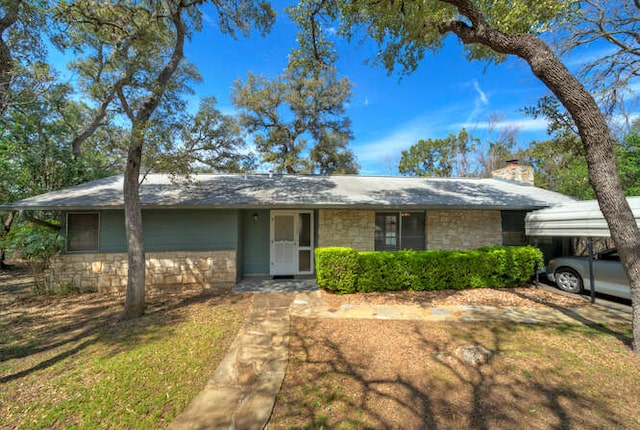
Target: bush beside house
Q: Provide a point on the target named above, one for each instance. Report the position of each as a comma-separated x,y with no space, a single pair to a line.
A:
337,269
344,270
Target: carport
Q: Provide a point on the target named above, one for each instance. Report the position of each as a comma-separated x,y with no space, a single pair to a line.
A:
579,219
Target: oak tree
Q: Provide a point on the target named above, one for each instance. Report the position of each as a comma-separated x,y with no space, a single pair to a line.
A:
298,119
136,49
612,29
491,31
444,158
23,68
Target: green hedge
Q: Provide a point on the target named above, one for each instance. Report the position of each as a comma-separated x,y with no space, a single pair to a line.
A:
337,269
343,270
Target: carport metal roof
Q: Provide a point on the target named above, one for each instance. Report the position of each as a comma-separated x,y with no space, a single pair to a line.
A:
579,219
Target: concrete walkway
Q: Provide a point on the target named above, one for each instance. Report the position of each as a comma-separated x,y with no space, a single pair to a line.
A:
311,305
242,392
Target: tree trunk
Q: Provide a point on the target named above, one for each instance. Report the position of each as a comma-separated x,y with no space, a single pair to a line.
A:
601,161
6,60
592,127
134,301
6,227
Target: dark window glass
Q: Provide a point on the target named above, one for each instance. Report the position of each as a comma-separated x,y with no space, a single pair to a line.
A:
82,232
413,231
304,229
405,230
386,236
513,233
304,260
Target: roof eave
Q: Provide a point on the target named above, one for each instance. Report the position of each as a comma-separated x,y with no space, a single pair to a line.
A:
375,206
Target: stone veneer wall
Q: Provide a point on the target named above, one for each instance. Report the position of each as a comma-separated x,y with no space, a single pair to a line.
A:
515,172
463,229
352,228
107,272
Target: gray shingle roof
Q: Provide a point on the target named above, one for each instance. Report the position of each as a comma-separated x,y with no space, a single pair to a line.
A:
299,191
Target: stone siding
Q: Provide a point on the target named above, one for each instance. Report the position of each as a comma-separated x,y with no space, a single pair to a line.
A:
352,228
107,272
463,229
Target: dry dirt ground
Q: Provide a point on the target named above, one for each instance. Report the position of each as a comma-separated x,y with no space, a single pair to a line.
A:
525,296
384,374
44,313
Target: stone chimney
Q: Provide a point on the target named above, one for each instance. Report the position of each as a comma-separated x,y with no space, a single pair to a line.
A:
515,172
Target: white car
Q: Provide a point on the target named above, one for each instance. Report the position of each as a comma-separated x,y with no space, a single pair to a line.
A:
572,274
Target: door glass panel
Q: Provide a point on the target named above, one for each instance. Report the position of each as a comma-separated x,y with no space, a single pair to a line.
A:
304,234
386,235
413,231
283,228
304,261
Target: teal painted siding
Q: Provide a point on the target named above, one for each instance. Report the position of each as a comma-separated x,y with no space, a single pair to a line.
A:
190,230
255,242
112,232
174,230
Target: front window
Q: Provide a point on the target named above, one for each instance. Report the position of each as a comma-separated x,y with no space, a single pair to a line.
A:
400,230
82,231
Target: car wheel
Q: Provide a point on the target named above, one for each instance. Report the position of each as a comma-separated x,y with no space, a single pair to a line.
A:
568,280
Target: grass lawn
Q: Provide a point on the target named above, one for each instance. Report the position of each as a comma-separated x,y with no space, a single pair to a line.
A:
68,362
381,374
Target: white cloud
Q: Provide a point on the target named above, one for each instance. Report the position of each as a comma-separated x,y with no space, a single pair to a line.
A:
579,58
374,155
479,102
483,97
208,20
523,124
634,87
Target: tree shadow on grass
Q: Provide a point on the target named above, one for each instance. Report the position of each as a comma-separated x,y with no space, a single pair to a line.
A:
424,383
616,330
46,331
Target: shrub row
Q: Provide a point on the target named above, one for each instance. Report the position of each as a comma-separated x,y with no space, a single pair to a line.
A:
344,270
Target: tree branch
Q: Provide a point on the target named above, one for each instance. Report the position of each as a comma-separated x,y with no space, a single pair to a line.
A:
125,104
469,10
40,222
165,75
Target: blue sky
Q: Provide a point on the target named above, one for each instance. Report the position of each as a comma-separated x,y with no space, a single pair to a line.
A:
389,113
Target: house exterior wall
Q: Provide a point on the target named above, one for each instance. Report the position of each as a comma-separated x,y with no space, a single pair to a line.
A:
352,228
173,230
107,272
218,247
463,229
254,251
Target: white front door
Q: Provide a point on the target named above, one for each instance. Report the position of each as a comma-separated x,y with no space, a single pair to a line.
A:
291,242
